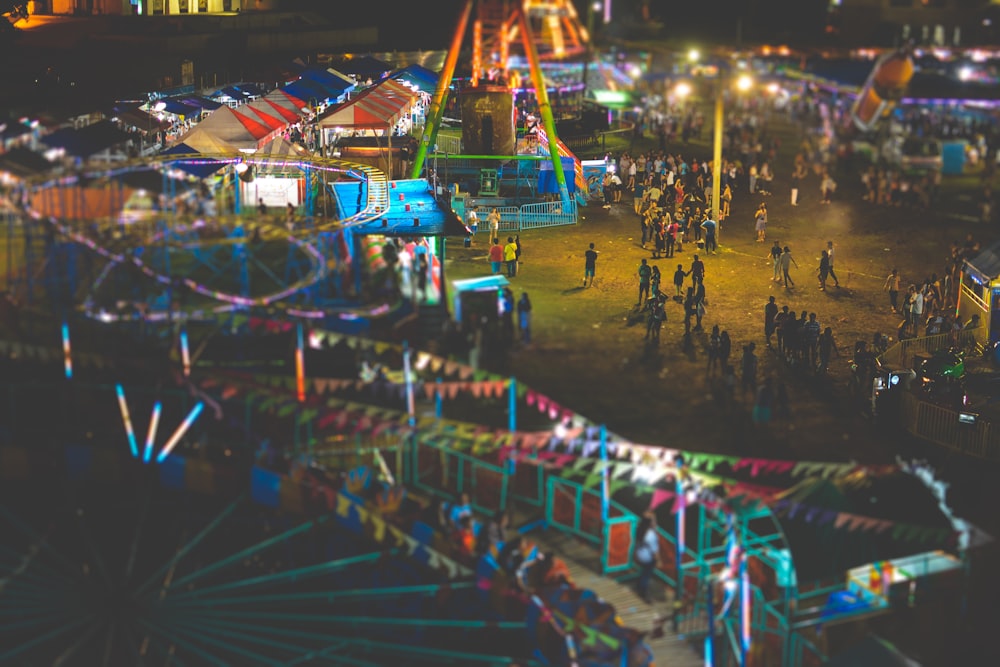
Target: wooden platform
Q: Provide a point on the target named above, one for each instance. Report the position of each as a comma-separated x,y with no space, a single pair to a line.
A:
583,562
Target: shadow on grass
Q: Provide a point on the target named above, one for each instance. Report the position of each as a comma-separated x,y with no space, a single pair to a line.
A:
573,290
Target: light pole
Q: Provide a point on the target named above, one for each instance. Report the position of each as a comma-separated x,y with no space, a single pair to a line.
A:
743,83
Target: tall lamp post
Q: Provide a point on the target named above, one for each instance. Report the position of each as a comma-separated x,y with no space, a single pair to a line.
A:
743,83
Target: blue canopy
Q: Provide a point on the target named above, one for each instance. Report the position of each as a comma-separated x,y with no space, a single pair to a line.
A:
178,108
306,89
327,80
86,141
418,75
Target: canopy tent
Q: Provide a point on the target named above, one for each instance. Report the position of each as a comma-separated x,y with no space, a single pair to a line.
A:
418,76
308,90
198,102
227,131
140,120
364,67
203,168
281,148
265,113
23,163
288,113
378,107
86,141
284,100
898,497
177,108
331,79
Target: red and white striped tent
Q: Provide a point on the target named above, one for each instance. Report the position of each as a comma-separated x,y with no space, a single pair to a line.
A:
226,127
377,108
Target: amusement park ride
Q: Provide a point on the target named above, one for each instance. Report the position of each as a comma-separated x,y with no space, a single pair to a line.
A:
203,600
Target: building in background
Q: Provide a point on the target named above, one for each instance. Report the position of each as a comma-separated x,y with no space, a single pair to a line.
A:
940,23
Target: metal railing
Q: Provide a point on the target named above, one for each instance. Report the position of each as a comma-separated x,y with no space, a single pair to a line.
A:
941,426
530,216
448,144
900,355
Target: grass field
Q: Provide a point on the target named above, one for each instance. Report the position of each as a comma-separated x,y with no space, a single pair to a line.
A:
589,353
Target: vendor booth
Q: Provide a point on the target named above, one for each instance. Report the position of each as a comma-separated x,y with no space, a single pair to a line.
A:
380,111
475,298
979,292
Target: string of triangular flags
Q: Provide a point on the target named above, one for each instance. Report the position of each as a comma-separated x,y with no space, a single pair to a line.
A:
19,350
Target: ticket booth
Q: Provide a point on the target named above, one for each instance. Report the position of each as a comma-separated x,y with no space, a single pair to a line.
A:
979,292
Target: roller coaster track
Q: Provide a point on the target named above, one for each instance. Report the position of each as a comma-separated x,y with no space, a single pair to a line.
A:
376,204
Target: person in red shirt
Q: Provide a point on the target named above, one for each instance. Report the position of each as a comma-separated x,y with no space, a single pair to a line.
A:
496,256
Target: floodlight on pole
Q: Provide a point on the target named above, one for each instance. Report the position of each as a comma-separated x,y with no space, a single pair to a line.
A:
682,89
744,82
694,55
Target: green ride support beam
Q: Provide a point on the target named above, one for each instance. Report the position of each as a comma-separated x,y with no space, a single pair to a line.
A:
186,549
375,620
249,551
327,596
436,110
294,575
544,107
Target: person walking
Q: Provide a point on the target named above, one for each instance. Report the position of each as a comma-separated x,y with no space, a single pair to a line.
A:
647,553
697,271
827,187
829,252
824,270
786,263
510,256
524,318
892,285
645,275
589,265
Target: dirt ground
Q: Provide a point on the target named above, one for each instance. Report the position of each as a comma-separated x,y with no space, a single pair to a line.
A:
589,354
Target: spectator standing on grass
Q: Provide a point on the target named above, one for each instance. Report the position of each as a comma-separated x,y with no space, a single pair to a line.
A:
775,256
892,285
827,348
679,276
748,366
589,265
496,256
760,223
710,226
510,256
770,312
714,348
524,318
697,271
493,219
645,276
763,404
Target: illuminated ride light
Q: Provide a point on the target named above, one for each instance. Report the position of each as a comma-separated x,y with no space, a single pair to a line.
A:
127,421
154,424
179,433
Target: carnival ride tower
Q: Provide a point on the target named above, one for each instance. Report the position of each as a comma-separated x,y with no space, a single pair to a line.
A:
544,30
